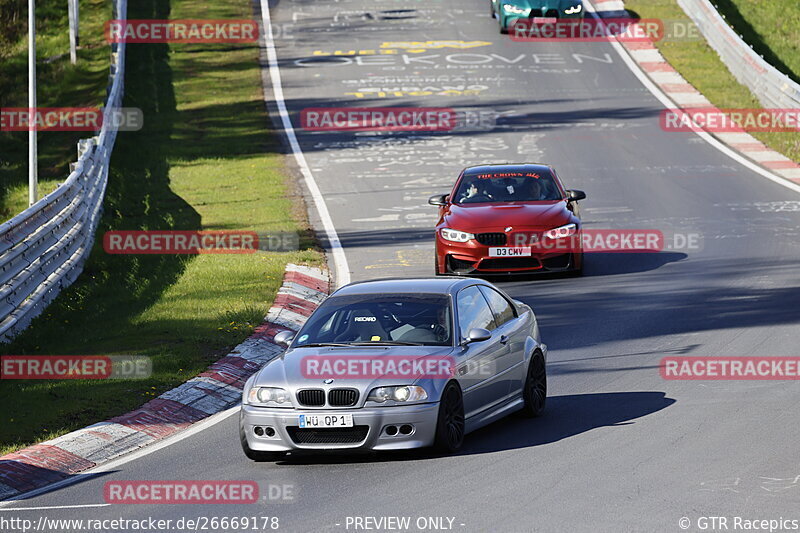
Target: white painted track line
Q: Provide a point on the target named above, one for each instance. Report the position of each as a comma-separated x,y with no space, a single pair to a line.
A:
341,268
50,507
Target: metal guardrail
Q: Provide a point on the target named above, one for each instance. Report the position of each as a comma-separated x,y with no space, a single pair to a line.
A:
773,89
44,248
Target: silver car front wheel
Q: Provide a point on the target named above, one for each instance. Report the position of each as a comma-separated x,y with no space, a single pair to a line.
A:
450,424
534,392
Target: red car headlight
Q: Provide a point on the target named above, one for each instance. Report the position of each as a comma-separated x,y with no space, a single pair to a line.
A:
455,236
561,232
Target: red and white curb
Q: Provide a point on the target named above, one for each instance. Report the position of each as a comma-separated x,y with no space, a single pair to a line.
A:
685,96
215,390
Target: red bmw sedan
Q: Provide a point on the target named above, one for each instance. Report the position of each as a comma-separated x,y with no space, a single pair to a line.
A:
508,219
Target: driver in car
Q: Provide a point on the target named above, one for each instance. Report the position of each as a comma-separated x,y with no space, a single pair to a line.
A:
471,192
442,324
531,191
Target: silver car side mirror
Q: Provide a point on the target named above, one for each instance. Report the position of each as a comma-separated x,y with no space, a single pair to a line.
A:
284,338
477,335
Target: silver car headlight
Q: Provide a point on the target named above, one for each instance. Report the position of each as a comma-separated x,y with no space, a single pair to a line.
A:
456,236
573,10
561,232
403,393
516,10
273,396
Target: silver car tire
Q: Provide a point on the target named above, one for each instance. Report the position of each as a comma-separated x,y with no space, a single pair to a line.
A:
450,422
534,392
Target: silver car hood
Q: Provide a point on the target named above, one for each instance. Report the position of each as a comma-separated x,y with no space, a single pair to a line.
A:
287,372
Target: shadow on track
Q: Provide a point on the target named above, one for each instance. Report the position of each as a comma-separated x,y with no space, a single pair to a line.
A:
565,417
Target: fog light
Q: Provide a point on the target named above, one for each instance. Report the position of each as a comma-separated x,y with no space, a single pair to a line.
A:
258,430
391,430
269,432
406,429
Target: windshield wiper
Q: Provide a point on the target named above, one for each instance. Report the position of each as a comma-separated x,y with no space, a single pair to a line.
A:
359,343
323,344
386,343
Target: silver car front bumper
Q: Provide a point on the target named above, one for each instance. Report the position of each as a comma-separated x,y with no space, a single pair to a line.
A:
289,437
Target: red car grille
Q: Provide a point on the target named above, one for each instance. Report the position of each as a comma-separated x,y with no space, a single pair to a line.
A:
491,239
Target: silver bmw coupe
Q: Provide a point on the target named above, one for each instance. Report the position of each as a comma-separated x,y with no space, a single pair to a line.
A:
396,364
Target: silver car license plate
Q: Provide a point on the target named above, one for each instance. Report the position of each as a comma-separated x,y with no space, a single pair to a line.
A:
326,421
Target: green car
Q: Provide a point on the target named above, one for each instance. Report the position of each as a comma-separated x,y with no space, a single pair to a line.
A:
508,12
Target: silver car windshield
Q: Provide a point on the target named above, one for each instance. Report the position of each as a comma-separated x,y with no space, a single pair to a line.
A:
424,319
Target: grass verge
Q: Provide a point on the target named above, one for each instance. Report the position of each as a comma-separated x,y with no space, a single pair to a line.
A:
702,67
204,160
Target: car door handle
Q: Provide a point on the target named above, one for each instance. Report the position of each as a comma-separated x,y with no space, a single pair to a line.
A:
503,339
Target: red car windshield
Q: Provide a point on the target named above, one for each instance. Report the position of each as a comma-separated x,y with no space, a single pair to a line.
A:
507,186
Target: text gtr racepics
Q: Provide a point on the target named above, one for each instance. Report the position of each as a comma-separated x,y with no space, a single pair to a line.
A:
509,12
508,219
396,364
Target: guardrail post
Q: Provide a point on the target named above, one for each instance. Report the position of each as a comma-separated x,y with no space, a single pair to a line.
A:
72,12
84,145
